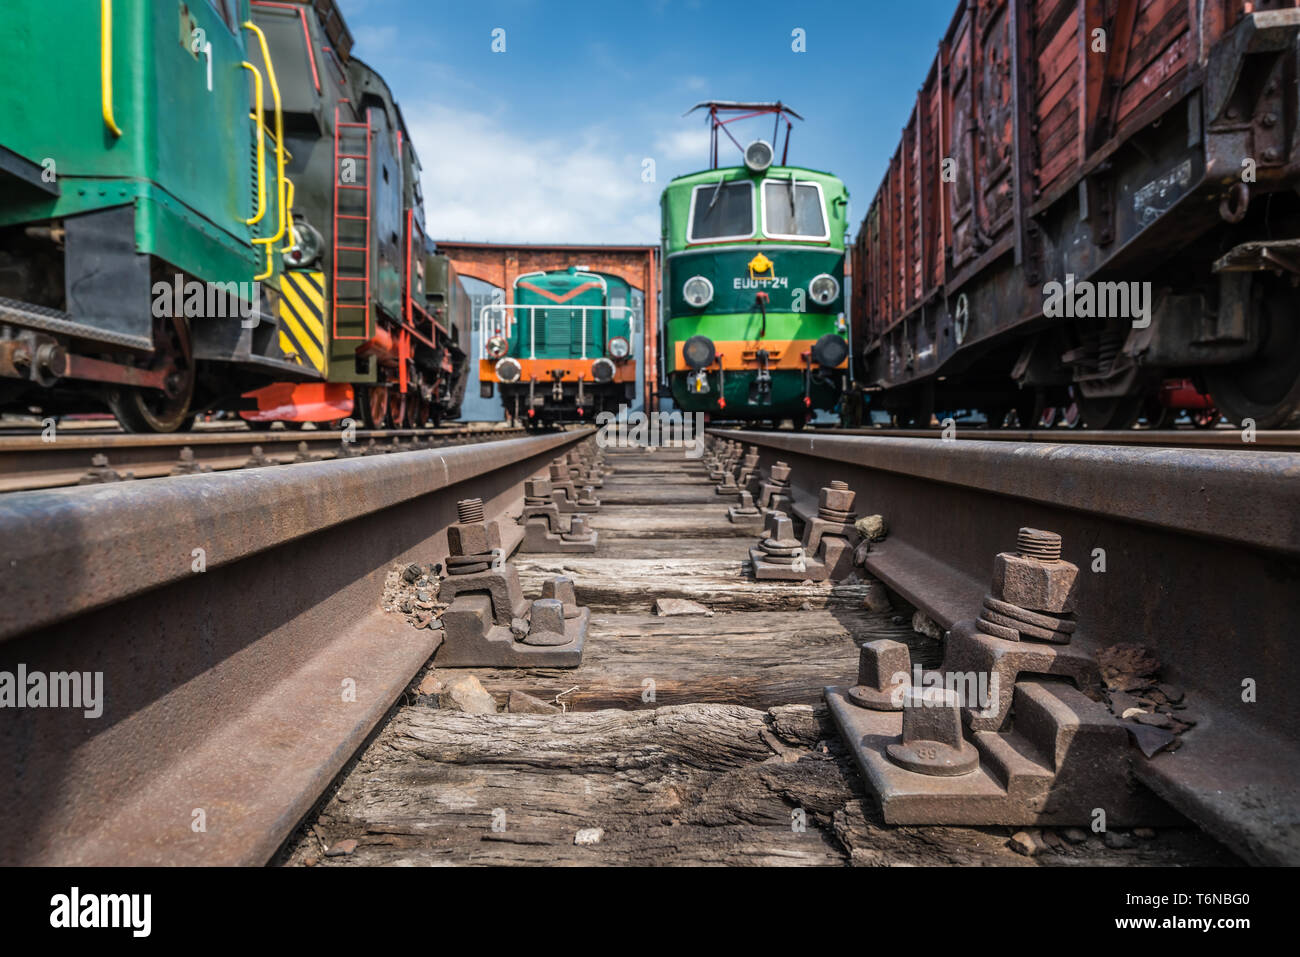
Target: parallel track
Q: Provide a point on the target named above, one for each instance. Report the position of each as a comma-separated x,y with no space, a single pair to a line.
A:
29,462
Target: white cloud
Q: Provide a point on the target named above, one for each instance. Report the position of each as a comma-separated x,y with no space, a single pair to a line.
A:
485,182
691,145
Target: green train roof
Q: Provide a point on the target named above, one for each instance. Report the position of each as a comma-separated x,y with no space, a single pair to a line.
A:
675,203
743,172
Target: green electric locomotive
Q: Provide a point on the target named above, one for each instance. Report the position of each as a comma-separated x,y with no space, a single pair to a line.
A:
753,282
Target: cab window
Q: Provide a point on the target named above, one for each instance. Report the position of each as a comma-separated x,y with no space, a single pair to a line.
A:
721,211
793,210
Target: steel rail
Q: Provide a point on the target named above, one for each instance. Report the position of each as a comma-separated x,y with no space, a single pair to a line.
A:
1202,561
236,620
1279,440
29,462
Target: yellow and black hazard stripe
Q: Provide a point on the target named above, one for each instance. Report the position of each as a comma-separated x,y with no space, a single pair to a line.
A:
302,317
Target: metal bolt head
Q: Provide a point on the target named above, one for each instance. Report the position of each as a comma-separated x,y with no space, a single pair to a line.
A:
467,539
931,714
538,488
780,472
1033,584
746,500
546,623
578,526
932,740
879,686
780,527
836,499
562,590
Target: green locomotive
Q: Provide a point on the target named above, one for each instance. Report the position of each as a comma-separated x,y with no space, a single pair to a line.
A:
562,351
753,282
210,205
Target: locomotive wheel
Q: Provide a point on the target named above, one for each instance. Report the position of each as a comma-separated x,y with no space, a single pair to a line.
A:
373,404
148,410
1267,387
1111,414
398,404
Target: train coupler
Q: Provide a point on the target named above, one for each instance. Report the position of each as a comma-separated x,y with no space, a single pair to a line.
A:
488,622
974,743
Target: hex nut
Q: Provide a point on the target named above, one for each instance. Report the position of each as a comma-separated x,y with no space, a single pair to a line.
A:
1035,585
836,499
468,539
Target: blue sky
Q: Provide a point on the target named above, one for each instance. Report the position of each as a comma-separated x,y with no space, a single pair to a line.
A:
545,142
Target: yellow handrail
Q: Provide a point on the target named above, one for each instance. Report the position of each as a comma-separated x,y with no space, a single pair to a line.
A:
293,238
261,146
279,134
106,63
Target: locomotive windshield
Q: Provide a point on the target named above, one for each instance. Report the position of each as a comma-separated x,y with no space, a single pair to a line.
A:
722,211
793,209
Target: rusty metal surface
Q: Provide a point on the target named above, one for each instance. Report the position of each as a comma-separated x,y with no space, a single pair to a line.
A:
231,696
1276,440
1202,553
28,462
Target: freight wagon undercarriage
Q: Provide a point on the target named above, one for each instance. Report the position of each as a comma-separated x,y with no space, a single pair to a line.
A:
1161,275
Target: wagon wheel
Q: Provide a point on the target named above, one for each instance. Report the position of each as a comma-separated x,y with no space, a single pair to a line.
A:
151,410
1265,388
1117,413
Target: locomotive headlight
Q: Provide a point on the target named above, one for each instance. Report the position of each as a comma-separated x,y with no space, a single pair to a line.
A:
619,347
508,370
497,346
758,155
698,291
823,289
308,247
698,352
602,370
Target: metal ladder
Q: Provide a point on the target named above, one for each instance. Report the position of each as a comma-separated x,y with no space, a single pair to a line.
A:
350,289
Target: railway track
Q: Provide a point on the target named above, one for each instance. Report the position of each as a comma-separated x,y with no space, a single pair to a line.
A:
30,462
700,735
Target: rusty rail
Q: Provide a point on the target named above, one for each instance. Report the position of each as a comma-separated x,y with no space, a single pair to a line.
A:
1277,440
28,462
236,620
1202,560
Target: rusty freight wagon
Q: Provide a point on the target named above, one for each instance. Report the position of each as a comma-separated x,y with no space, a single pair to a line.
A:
1093,207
